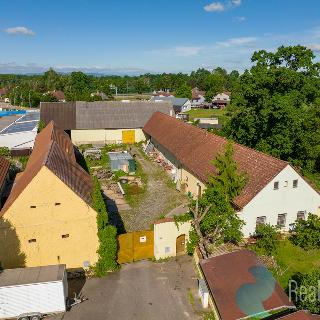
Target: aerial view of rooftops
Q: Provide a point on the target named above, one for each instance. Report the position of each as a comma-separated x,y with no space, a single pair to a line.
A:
160,180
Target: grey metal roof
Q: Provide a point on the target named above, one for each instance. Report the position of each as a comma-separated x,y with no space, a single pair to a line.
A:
20,127
21,276
6,121
30,116
176,102
102,114
119,156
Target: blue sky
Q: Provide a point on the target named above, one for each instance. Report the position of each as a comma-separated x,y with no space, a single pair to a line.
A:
137,36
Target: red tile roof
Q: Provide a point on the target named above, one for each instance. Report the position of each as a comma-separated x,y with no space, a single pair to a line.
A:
301,315
235,279
54,150
195,148
4,170
58,94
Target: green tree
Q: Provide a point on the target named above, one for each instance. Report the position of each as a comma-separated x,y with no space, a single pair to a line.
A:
215,220
184,91
276,107
306,233
267,238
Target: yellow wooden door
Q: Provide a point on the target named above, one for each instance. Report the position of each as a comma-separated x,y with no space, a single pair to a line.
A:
125,252
143,244
128,136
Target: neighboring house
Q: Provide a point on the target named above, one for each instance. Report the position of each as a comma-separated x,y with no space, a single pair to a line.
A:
102,95
198,96
59,95
48,216
275,193
4,176
221,100
241,287
102,122
3,93
20,134
179,104
163,93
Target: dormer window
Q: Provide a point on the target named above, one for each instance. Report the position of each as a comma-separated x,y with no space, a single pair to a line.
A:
295,183
276,185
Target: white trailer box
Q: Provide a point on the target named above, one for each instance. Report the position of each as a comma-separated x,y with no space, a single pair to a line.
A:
40,290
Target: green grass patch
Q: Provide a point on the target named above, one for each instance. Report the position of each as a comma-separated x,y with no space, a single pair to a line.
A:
293,259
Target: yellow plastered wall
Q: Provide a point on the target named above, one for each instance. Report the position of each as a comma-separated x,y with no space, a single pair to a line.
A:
59,211
103,136
191,182
165,236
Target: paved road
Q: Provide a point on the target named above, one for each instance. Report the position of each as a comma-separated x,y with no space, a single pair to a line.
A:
142,290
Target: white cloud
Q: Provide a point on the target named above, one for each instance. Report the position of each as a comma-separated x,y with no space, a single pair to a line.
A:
240,19
187,51
237,41
314,46
20,30
236,2
214,7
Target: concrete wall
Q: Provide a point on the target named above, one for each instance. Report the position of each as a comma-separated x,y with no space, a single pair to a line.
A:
269,202
103,136
165,236
47,223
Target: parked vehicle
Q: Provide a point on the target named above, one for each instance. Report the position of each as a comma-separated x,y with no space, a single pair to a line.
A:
32,293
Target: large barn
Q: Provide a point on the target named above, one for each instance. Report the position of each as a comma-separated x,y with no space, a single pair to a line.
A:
103,122
275,193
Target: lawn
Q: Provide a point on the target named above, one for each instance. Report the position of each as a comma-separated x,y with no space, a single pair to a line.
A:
221,114
293,259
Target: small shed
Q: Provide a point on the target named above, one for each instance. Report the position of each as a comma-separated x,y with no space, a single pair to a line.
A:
122,161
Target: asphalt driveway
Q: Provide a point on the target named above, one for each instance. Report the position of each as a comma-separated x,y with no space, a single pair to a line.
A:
142,290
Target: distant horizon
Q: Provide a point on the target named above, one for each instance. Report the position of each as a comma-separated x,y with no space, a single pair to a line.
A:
139,37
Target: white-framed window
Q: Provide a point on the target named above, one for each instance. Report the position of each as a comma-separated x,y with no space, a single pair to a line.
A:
261,220
295,183
301,215
285,183
281,219
276,185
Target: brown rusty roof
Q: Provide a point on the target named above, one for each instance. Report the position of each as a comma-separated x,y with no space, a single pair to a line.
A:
4,170
54,150
195,148
58,94
235,279
301,315
101,114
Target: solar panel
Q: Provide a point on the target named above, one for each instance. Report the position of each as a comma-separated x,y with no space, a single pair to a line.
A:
20,127
31,116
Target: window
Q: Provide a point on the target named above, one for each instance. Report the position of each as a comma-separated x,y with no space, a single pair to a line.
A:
295,183
65,236
261,220
32,240
32,207
285,183
57,204
282,220
276,185
301,215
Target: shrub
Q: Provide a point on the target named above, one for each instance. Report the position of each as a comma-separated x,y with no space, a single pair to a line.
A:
303,290
107,234
4,151
307,233
193,241
267,238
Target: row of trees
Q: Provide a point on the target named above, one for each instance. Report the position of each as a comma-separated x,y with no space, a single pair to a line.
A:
29,90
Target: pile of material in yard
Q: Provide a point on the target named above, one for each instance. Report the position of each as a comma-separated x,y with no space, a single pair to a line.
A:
101,173
92,153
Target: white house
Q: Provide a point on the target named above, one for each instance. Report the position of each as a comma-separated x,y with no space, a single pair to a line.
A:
197,97
274,193
179,104
221,99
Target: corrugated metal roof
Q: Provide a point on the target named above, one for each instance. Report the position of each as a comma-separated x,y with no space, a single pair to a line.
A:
196,148
21,276
119,156
102,114
179,102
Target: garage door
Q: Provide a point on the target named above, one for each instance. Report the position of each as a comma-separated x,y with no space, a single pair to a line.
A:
128,136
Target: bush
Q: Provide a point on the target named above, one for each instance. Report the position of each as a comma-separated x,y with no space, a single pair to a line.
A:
307,233
193,241
267,238
107,234
304,291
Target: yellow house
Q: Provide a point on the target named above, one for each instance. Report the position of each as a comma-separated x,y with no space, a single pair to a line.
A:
47,218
